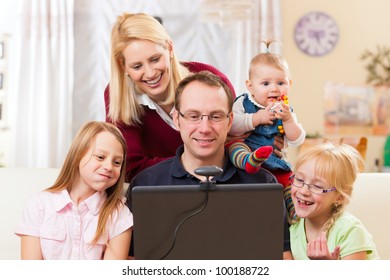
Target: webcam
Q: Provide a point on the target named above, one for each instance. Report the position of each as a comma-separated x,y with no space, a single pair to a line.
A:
208,171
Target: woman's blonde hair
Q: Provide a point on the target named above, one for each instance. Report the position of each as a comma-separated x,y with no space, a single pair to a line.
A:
124,106
339,165
70,170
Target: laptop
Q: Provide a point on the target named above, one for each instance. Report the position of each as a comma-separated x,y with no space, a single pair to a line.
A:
183,222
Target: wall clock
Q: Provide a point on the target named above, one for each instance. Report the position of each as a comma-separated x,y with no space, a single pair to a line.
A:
316,34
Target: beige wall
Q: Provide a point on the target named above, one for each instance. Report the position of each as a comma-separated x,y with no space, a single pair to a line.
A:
363,24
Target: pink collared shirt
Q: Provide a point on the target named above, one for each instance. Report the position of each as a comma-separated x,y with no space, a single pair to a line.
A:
65,229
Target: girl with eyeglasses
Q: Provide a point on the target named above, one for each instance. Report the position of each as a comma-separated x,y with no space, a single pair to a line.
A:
322,185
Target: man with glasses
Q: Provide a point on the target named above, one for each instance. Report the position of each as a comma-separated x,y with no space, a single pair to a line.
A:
203,115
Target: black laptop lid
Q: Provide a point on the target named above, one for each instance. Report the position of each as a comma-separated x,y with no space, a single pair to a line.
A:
231,222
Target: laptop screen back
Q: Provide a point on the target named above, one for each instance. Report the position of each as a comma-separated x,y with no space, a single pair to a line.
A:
231,222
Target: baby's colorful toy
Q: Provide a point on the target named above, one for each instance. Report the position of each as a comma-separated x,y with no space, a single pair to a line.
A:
284,99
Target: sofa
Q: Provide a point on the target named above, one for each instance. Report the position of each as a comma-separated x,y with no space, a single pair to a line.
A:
368,203
17,184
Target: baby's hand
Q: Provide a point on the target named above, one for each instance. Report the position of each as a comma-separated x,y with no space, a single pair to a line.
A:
318,249
264,117
283,112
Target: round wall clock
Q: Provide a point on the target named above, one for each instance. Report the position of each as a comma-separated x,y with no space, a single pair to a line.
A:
316,34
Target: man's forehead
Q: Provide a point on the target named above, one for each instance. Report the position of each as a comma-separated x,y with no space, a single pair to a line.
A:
197,87
203,95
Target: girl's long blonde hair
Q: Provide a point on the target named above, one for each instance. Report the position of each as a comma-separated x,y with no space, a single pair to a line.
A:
124,106
339,165
70,171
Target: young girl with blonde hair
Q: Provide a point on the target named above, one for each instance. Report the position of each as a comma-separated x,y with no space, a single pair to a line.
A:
82,216
322,185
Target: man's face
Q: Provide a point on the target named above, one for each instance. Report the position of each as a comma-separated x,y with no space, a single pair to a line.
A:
203,139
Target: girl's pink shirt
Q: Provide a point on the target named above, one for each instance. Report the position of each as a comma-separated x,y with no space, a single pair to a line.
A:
65,229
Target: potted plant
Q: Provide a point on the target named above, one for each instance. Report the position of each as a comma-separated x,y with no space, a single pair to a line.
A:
377,64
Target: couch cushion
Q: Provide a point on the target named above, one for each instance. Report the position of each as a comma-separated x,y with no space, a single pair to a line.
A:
17,184
370,203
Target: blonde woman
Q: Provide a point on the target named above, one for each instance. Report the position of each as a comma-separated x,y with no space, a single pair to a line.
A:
139,99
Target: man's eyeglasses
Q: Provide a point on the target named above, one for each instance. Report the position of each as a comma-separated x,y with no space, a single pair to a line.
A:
313,188
196,117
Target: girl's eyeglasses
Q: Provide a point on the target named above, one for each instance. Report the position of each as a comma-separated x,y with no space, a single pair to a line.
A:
313,188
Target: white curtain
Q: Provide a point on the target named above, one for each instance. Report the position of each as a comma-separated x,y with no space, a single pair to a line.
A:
228,47
55,96
264,24
41,106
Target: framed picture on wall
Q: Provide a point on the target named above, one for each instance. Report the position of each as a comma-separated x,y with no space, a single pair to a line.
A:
1,50
1,80
353,110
